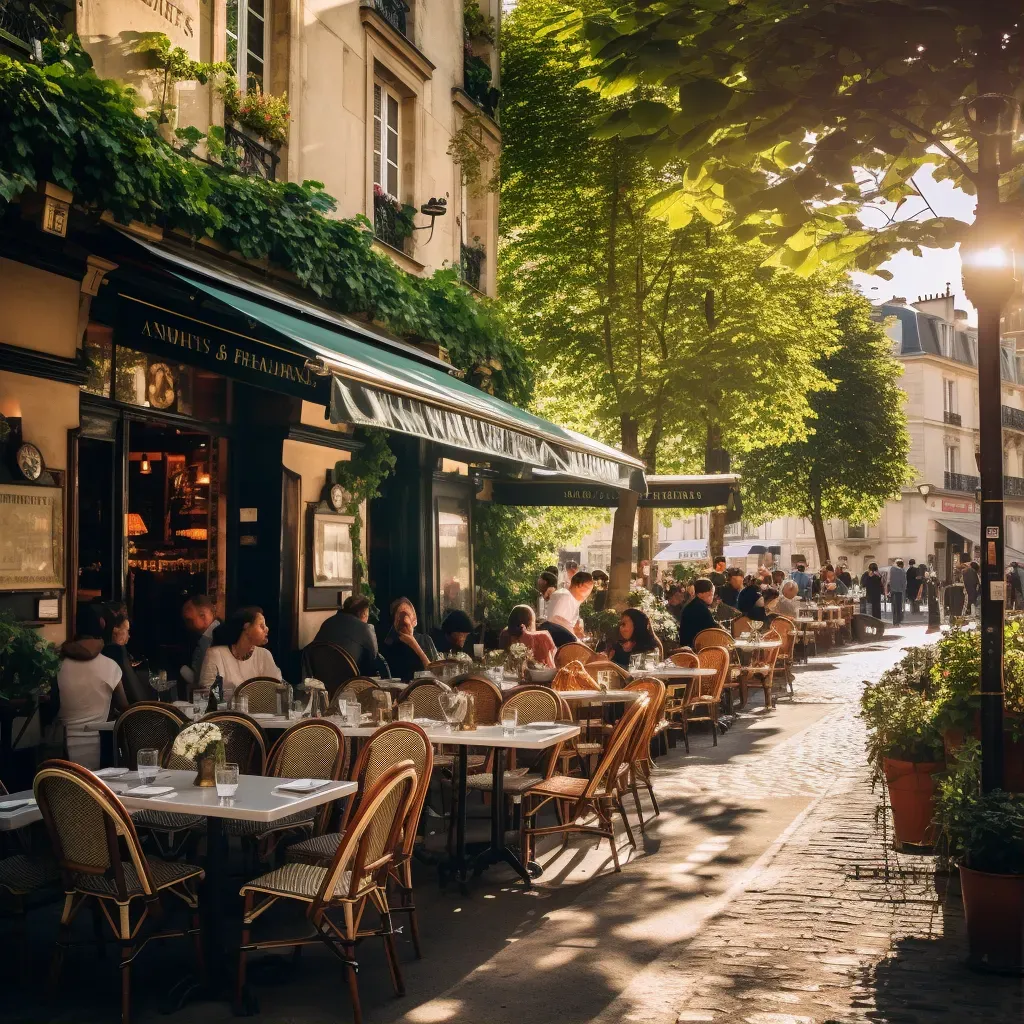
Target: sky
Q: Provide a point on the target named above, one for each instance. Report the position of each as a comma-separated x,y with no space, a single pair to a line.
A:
928,273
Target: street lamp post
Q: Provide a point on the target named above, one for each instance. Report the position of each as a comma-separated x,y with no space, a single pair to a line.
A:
990,280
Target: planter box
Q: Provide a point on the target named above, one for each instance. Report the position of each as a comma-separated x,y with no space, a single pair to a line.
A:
994,908
912,798
1013,751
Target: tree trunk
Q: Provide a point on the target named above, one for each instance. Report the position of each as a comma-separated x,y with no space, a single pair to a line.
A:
623,524
715,461
716,533
644,535
820,540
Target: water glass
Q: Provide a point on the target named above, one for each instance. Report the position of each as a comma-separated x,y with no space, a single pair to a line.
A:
509,721
605,678
406,711
149,765
242,704
636,662
226,777
478,652
497,674
200,698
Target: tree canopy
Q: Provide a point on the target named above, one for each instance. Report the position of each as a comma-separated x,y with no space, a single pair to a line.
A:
805,123
854,456
647,336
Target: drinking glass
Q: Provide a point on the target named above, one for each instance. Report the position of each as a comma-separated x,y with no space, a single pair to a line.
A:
149,765
342,710
242,704
497,674
200,698
406,711
605,678
636,662
226,777
509,721
478,652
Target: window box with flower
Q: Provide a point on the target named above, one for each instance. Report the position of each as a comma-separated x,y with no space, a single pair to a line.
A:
392,219
256,126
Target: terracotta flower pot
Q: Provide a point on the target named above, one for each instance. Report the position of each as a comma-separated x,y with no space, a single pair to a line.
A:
1013,751
994,908
911,795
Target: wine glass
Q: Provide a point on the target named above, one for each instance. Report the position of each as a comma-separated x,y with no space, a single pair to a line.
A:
453,707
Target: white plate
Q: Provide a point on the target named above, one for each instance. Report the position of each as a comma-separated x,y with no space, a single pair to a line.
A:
149,791
7,806
303,785
110,773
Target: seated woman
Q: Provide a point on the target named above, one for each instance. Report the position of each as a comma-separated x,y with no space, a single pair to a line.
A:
405,650
89,685
635,636
522,629
239,651
456,628
116,633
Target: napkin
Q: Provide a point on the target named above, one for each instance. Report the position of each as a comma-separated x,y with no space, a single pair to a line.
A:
16,805
304,785
110,773
149,791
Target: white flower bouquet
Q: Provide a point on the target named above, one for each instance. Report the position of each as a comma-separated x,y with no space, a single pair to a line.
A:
518,651
199,740
461,656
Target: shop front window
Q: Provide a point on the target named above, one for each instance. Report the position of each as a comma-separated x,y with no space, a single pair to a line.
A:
453,555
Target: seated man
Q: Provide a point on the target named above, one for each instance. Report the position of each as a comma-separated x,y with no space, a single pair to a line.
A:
563,614
200,617
696,616
454,632
350,629
405,650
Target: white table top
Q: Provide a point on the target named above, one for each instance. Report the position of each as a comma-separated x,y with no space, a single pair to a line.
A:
676,672
526,737
258,798
10,820
601,696
757,645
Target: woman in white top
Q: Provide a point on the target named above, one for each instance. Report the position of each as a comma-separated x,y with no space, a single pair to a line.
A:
88,683
239,652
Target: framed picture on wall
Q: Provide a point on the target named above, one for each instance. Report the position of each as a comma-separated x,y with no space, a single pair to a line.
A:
332,550
31,537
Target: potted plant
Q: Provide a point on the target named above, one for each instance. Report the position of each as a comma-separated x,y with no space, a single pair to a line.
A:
984,836
258,113
905,748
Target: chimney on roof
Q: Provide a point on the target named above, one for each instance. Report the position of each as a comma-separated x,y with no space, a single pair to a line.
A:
959,314
940,304
898,300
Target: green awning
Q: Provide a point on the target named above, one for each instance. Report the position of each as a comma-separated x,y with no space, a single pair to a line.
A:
377,387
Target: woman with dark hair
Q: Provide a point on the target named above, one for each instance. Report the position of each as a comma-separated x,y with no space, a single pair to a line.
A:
456,628
239,651
635,635
522,629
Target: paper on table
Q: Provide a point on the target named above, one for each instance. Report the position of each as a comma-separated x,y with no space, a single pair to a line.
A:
149,791
15,805
110,773
303,785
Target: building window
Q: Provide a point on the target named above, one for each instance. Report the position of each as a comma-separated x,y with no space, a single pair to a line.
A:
247,41
952,459
856,531
945,339
386,107
949,396
453,555
733,529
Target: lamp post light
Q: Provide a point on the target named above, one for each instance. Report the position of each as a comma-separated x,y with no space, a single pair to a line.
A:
990,279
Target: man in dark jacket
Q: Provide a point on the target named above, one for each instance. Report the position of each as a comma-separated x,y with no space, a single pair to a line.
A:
697,616
350,629
729,593
972,578
873,585
751,601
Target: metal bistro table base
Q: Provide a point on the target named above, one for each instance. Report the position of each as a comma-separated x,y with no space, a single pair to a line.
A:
494,852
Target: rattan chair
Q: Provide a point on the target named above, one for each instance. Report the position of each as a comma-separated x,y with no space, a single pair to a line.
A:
761,671
388,746
572,676
638,760
356,877
148,724
787,631
329,663
425,695
486,694
713,637
101,859
599,795
266,694
313,749
245,742
704,698
574,651
359,690
740,625
575,677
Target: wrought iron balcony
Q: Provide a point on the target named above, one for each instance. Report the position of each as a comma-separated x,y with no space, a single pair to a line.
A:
394,12
960,482
952,417
1013,418
472,265
1013,486
24,24
385,223
257,159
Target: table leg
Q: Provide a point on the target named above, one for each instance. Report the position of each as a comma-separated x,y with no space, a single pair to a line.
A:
498,851
457,865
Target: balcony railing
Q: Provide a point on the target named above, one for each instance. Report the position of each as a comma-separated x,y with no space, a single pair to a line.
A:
24,24
472,265
960,482
952,417
1013,486
257,159
394,12
1013,418
385,223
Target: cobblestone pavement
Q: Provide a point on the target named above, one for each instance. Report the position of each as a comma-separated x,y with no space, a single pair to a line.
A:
837,928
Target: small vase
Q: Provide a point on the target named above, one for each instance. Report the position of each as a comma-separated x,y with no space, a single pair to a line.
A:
205,775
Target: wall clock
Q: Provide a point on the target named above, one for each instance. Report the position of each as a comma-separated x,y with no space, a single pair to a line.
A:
30,461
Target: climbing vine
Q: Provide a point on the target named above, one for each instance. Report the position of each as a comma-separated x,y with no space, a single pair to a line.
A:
360,478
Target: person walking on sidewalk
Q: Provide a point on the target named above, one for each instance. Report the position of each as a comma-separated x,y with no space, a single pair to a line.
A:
913,585
873,583
971,577
897,589
1014,596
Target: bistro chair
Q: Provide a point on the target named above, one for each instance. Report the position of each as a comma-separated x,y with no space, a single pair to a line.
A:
674,702
704,698
388,746
740,625
330,663
638,761
313,749
760,671
359,690
266,695
787,631
486,694
600,795
245,742
425,695
357,876
574,651
100,856
574,677
712,637
147,724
